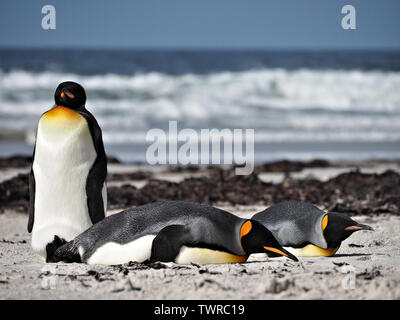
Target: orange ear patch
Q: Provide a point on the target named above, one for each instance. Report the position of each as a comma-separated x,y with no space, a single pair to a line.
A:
324,222
245,229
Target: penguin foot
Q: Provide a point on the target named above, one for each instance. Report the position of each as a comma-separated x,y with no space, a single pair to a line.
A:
52,247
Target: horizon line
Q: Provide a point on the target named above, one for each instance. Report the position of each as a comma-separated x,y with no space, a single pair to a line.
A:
199,48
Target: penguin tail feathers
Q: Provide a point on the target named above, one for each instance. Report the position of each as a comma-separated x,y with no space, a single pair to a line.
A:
61,250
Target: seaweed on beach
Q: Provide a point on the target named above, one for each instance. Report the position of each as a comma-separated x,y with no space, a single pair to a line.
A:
291,166
14,194
352,192
20,161
15,162
129,176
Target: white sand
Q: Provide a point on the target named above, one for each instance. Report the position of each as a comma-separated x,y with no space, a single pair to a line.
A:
373,266
367,266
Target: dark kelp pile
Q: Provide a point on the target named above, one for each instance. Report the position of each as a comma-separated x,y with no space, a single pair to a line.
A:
353,192
15,162
14,194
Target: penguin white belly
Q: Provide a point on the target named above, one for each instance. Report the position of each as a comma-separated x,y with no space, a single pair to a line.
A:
113,253
189,255
64,155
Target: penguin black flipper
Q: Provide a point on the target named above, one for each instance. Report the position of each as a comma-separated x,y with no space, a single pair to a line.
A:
31,201
52,247
97,174
32,190
168,242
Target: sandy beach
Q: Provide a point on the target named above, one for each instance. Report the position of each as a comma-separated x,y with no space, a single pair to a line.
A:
182,97
367,265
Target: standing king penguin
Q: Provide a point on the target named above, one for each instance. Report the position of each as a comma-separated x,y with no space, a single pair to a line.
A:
169,231
307,231
67,178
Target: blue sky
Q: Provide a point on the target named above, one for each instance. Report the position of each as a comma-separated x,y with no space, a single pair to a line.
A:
261,24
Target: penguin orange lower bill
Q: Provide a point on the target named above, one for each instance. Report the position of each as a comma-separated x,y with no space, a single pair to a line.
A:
281,252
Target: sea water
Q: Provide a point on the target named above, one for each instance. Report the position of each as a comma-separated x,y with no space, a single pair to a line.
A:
301,104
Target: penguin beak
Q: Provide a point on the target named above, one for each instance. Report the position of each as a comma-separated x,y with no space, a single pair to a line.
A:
69,95
358,227
282,252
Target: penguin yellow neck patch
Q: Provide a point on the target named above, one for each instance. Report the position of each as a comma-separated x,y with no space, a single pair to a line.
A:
245,229
312,251
189,255
61,114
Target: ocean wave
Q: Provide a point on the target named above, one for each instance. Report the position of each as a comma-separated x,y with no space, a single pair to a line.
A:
280,104
260,137
266,88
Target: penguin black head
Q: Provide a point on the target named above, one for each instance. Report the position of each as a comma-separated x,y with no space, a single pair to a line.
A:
70,94
255,238
338,227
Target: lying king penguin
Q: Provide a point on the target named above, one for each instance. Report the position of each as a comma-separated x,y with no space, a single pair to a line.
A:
169,231
307,231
